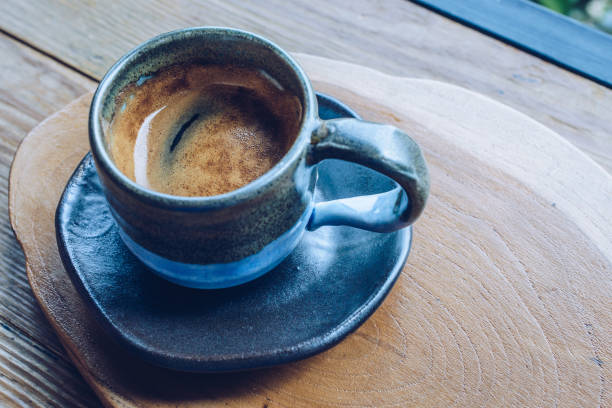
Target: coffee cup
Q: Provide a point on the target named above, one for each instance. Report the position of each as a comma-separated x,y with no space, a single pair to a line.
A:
190,224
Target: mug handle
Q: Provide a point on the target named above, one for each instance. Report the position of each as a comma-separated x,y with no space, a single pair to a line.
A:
383,148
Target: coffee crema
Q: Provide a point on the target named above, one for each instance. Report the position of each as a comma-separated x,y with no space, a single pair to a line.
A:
202,130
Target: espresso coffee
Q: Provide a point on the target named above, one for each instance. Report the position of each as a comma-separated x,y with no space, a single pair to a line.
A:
202,130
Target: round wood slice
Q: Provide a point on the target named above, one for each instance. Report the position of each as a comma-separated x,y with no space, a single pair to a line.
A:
506,299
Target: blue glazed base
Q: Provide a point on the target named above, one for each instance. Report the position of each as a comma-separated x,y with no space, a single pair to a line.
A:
332,281
225,275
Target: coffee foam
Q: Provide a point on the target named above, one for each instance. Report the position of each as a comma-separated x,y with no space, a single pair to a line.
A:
202,130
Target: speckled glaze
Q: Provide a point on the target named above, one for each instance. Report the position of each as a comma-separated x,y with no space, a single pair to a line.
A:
177,235
217,229
326,288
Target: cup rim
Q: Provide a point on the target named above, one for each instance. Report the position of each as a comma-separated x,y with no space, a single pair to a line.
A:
244,193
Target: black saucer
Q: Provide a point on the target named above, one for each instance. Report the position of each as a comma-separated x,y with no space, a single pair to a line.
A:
331,283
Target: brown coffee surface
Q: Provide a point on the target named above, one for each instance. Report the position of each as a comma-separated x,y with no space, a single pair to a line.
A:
195,130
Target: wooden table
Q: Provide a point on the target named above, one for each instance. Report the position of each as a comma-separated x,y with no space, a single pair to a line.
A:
53,51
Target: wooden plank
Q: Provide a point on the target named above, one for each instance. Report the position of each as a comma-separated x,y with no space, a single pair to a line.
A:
32,88
34,376
35,370
395,36
538,30
505,299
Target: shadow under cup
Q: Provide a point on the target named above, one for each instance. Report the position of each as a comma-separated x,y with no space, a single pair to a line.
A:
222,240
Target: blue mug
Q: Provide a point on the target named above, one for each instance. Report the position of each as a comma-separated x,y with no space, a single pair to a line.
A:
228,239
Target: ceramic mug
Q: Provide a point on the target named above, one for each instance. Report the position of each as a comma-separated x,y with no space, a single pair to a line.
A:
228,239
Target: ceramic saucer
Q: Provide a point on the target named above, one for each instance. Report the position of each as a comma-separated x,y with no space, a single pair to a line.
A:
329,285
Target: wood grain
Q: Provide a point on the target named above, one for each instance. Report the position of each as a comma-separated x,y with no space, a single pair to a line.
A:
34,368
505,300
393,36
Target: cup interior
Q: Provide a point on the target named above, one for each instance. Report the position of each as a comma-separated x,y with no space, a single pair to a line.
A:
204,46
